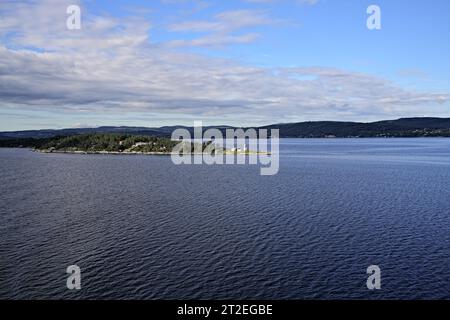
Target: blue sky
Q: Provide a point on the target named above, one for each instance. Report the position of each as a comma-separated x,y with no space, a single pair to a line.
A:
239,62
414,34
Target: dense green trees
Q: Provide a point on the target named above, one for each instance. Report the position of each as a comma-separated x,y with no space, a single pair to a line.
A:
99,142
109,142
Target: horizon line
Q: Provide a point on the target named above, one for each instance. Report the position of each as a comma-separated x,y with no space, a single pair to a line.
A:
219,126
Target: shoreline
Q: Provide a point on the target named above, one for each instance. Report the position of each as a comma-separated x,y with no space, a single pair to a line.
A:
128,153
103,152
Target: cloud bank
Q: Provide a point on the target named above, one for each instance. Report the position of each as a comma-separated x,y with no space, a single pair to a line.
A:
111,66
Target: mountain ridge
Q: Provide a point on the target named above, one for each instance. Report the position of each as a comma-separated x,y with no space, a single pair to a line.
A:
403,127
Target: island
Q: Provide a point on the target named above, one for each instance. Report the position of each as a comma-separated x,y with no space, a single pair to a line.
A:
107,143
117,143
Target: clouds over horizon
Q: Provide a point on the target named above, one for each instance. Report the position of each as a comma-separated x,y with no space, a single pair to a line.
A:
112,67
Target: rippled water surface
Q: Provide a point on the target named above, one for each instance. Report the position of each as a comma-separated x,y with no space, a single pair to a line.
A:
142,228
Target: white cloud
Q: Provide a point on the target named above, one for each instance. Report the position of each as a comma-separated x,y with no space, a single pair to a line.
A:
221,30
225,22
111,67
308,2
301,2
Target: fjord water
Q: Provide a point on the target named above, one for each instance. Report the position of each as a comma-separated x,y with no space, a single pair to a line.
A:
140,227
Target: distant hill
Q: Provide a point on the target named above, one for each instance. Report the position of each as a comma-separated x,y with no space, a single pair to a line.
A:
49,133
406,127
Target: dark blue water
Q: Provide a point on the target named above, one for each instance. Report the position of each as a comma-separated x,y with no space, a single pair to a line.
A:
142,228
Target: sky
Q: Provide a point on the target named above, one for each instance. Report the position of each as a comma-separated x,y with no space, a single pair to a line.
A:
236,62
